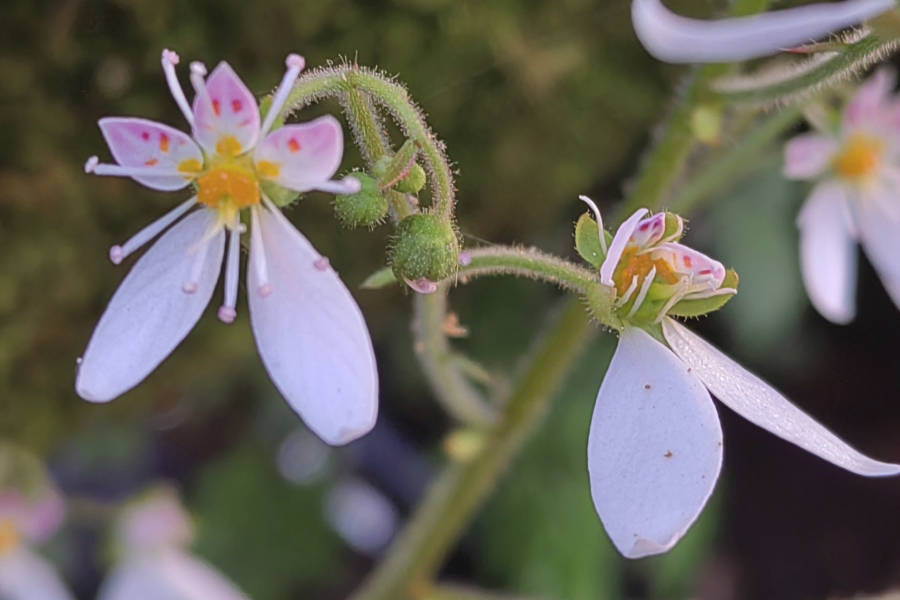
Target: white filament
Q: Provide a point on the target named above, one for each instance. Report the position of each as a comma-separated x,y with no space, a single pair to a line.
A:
169,60
119,253
295,64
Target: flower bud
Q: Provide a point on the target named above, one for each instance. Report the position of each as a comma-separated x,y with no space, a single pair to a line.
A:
413,182
425,247
366,207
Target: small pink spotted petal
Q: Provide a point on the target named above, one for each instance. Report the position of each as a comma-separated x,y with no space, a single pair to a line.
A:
807,156
649,231
421,286
230,112
149,145
306,156
687,261
868,107
618,244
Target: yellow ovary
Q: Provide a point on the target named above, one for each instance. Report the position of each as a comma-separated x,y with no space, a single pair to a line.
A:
9,537
861,157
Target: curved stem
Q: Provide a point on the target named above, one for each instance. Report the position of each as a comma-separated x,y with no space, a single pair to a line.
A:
417,553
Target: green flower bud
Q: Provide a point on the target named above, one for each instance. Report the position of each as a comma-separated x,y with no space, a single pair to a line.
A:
424,247
413,182
366,207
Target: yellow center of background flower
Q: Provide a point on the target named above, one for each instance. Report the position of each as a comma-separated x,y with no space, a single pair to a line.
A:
862,157
9,537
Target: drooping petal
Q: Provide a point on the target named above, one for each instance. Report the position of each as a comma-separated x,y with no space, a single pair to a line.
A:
878,223
672,38
649,230
25,575
153,309
759,403
866,108
302,157
808,155
227,121
151,146
310,333
618,244
170,574
655,447
687,261
828,252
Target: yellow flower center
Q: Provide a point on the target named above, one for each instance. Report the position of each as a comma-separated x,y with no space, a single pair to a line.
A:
637,265
9,537
861,157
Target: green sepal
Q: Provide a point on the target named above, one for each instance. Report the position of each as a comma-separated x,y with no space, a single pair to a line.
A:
587,241
702,306
277,194
379,279
600,300
391,171
674,227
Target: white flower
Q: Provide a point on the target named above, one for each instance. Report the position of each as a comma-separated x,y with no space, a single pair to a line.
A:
25,522
655,445
151,536
310,333
856,198
672,38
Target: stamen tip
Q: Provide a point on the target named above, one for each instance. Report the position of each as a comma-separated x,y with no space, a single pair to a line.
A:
351,185
189,287
264,290
198,68
295,61
91,164
227,314
116,255
322,263
170,56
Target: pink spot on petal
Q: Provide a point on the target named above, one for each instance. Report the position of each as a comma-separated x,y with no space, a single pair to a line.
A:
227,314
145,136
217,108
294,146
322,264
237,106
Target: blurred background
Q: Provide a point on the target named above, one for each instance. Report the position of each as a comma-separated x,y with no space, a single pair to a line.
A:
538,101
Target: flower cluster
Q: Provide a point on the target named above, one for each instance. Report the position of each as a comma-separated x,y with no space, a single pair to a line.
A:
310,333
655,445
855,164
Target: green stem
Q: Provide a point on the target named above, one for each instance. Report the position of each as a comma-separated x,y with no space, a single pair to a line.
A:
736,160
451,502
450,385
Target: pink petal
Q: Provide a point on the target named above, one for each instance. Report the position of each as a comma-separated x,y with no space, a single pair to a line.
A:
649,230
807,156
618,244
828,252
146,144
688,261
867,107
302,157
230,113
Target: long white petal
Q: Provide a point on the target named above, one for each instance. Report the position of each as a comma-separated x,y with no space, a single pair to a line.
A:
24,575
310,333
618,244
655,447
759,403
828,252
672,38
169,574
151,313
878,222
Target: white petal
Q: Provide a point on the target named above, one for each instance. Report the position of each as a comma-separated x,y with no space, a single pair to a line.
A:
757,402
808,155
618,244
168,575
24,575
676,39
150,313
828,252
878,221
655,447
311,334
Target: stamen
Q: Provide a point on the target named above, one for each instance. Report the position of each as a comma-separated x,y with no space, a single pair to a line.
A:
198,73
627,295
295,64
93,165
169,60
597,216
118,253
258,255
227,312
347,185
677,297
642,294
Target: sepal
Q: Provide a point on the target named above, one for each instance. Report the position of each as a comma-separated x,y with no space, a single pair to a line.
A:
701,306
587,241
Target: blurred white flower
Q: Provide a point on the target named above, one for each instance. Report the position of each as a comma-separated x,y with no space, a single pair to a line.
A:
655,444
856,167
150,539
676,39
310,333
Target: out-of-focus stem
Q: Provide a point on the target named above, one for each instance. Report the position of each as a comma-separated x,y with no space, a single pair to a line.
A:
414,558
